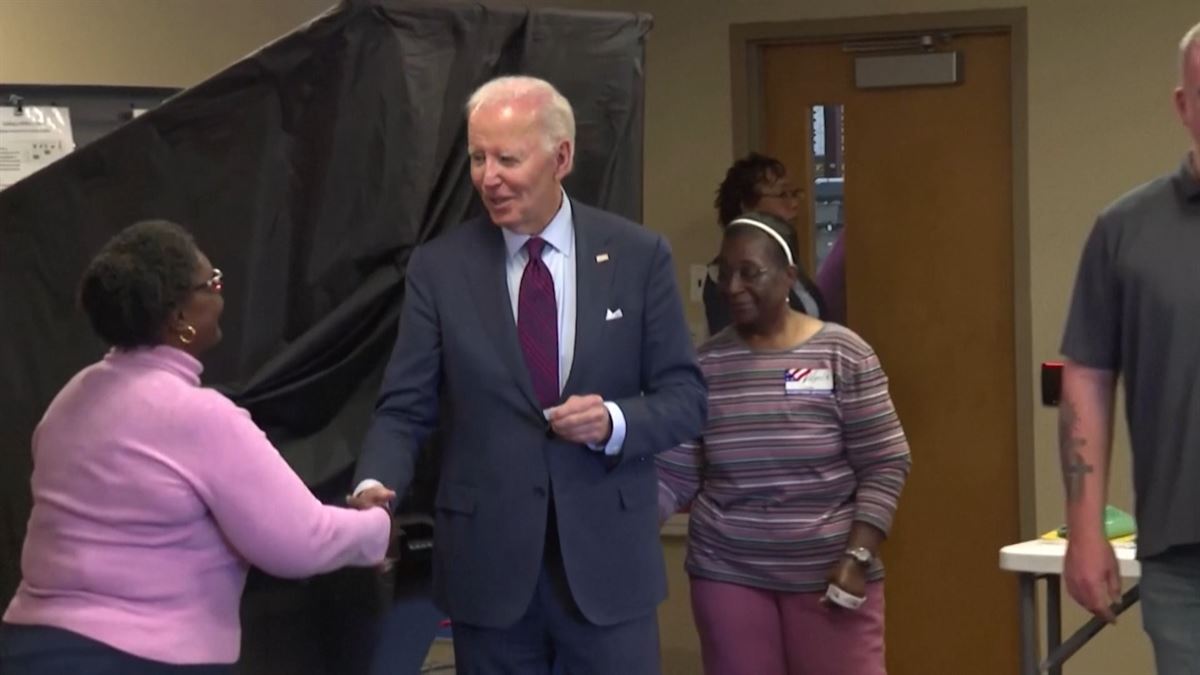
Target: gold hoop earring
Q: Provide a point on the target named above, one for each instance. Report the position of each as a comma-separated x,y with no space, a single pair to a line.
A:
188,334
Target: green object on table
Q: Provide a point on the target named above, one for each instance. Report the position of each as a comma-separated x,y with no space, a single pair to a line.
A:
1117,523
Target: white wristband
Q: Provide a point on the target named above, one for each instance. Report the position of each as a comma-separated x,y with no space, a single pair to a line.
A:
841,598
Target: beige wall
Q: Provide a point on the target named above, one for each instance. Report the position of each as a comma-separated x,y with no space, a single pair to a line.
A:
160,43
1099,121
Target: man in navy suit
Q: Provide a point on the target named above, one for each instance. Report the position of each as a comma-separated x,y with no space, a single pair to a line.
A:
545,347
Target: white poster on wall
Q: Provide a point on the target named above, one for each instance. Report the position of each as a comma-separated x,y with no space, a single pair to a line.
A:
32,137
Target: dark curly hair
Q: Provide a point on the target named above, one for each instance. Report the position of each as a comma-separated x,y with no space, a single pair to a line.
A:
739,190
130,288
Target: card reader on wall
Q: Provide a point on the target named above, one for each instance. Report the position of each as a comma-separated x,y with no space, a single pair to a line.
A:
1051,382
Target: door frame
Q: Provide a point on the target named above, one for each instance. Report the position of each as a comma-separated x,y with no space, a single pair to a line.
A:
746,41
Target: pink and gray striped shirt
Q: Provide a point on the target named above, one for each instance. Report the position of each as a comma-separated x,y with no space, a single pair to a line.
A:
800,443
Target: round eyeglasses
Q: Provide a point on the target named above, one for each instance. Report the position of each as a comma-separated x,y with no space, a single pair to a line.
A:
213,283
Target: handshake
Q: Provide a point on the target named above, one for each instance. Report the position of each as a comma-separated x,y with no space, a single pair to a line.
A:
380,496
375,495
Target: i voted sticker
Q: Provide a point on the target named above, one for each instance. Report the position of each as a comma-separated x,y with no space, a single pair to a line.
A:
808,381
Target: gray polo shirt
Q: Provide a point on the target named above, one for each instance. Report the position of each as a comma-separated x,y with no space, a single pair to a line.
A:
1136,311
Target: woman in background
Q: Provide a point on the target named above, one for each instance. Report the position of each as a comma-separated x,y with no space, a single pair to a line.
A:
760,183
153,495
793,485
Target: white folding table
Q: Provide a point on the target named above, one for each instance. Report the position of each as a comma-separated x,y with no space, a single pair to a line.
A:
1043,559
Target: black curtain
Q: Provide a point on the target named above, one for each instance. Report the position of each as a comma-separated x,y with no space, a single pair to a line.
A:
307,171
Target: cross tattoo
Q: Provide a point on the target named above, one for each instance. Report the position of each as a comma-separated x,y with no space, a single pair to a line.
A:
1076,470
1074,466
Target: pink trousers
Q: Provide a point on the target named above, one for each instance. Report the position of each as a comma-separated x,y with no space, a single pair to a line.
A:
750,631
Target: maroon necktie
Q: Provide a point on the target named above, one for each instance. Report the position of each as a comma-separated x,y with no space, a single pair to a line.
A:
537,324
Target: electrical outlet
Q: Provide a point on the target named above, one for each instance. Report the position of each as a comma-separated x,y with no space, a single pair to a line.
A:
698,274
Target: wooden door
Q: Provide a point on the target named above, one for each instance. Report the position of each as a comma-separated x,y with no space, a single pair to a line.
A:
929,283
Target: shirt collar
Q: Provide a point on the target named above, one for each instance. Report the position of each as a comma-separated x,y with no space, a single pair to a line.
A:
1187,181
560,233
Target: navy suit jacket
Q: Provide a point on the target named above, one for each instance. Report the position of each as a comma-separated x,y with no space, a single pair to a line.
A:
457,372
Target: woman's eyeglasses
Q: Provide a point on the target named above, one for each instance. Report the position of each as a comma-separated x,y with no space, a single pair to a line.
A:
213,283
723,276
792,193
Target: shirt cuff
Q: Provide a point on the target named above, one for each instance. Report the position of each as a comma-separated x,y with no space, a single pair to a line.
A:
365,485
616,441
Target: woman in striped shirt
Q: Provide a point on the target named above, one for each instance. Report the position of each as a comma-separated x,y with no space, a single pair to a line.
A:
794,483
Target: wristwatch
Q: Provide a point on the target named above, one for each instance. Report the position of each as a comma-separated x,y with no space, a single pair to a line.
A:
861,555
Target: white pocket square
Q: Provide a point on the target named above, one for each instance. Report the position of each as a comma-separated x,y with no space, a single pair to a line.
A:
612,314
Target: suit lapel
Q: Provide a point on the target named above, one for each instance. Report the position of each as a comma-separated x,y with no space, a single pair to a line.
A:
488,280
594,270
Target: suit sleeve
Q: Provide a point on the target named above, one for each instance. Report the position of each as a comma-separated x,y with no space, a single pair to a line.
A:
673,405
406,411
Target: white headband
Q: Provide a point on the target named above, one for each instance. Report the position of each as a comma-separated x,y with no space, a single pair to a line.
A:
774,235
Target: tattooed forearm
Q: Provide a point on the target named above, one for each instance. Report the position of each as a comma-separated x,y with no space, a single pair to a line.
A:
1074,467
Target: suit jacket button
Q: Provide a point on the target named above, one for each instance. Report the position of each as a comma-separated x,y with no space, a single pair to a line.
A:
549,432
539,491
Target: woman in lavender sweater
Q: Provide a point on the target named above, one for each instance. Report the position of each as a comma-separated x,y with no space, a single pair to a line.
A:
153,495
794,483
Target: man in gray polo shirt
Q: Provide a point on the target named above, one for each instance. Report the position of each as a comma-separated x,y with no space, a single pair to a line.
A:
1136,312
